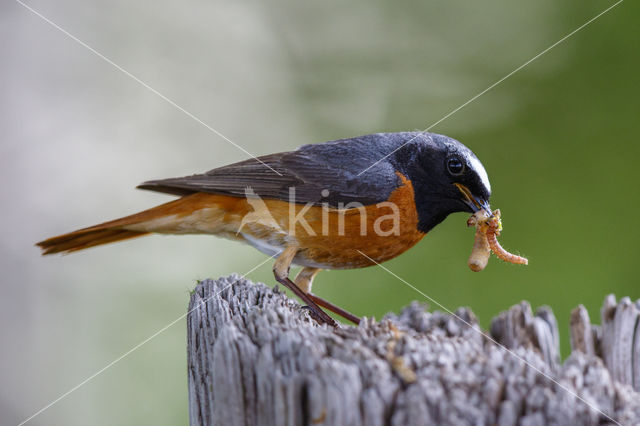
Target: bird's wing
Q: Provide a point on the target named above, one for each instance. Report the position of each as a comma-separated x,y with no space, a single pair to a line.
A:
305,174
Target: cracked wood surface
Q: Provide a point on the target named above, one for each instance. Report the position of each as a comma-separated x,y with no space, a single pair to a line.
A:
256,358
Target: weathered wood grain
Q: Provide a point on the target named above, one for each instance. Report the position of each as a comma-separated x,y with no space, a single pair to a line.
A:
583,336
256,358
618,340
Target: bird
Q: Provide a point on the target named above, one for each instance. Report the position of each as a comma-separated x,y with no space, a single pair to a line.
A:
342,204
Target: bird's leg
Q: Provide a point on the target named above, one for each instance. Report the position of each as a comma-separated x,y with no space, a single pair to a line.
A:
335,309
304,280
281,273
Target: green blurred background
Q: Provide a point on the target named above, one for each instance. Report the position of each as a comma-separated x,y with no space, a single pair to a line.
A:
558,139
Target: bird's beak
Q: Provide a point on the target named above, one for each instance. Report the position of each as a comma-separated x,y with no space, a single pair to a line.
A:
476,203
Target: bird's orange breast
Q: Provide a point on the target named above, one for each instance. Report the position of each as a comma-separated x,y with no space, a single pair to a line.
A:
381,231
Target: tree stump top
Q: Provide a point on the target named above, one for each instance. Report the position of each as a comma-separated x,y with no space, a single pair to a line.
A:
256,357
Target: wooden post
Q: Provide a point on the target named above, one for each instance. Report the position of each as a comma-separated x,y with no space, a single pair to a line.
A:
256,358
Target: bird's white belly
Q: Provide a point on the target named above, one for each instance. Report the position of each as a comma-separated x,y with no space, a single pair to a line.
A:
264,246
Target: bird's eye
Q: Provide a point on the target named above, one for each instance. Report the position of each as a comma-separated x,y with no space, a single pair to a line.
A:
455,166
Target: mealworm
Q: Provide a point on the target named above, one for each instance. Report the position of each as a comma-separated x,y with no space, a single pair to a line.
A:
492,230
499,251
481,251
487,230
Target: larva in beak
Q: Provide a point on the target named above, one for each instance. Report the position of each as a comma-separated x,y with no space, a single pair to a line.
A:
486,241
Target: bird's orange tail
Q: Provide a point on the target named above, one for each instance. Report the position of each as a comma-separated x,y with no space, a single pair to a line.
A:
107,232
143,223
85,238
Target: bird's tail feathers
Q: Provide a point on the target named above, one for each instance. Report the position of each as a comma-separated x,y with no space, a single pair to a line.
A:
107,232
85,238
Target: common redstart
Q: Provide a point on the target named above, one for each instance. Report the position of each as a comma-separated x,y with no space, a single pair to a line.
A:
342,204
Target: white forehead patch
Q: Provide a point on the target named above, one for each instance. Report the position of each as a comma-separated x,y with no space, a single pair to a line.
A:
479,169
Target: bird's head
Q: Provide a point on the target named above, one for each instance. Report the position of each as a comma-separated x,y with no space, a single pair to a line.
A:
446,176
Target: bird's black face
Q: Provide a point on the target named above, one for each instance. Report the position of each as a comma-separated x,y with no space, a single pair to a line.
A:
446,176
